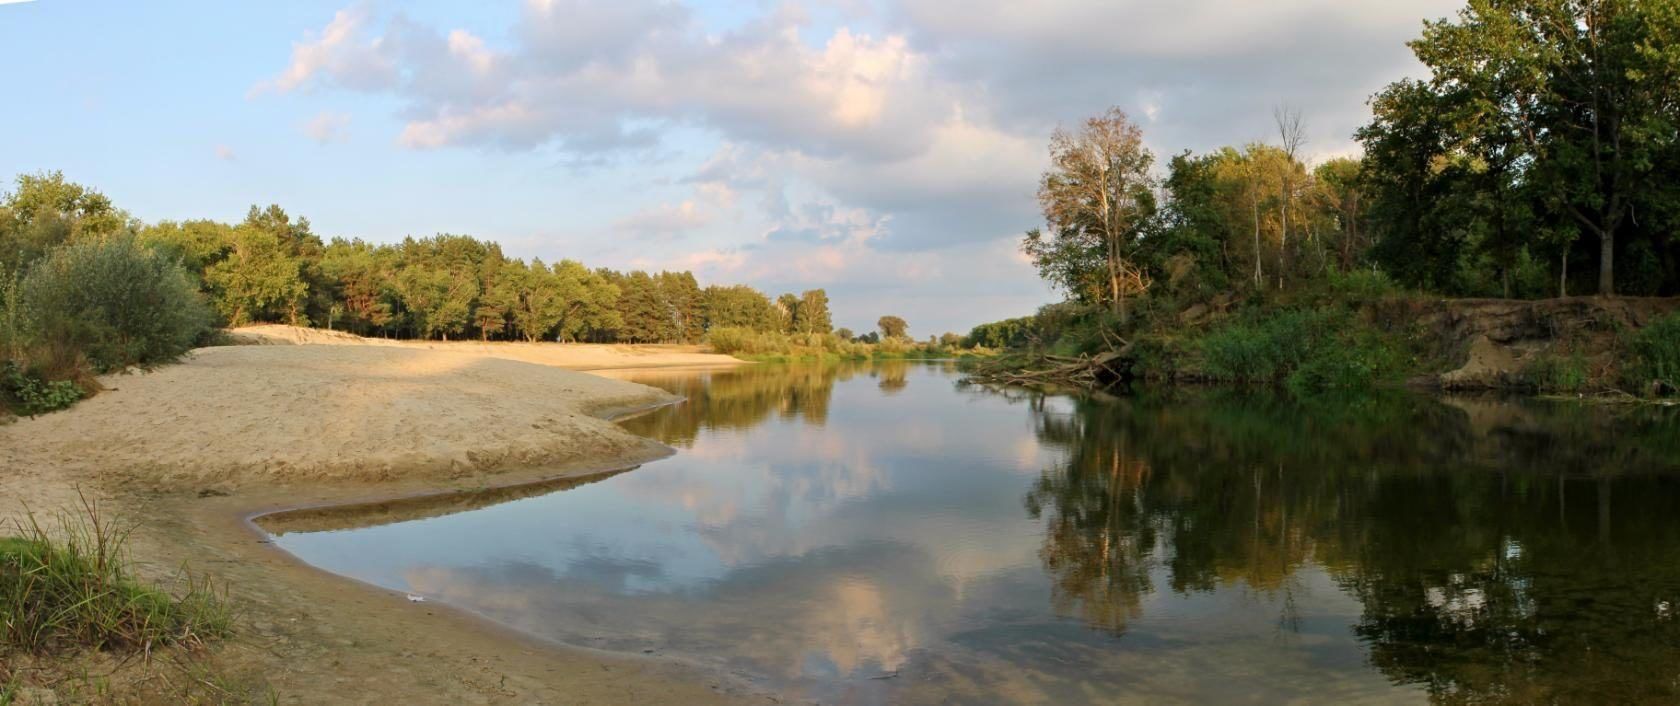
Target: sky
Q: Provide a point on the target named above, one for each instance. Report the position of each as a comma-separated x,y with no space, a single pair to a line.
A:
885,150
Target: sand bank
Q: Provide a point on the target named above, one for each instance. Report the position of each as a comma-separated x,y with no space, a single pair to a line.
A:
571,356
189,451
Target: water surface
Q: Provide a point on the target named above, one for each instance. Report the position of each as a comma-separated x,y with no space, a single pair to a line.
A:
878,533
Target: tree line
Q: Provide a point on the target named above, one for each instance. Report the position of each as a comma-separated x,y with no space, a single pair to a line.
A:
86,289
272,267
1541,157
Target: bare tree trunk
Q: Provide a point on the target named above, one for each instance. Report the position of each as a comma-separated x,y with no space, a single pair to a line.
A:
1283,235
1292,131
1606,264
1259,276
1563,274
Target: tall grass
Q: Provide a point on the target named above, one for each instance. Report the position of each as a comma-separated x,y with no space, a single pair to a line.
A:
1653,360
1559,371
1306,349
73,589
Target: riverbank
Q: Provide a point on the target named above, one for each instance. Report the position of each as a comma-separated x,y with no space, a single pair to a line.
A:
1333,339
188,452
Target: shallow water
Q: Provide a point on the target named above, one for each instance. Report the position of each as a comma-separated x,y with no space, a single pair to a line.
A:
878,533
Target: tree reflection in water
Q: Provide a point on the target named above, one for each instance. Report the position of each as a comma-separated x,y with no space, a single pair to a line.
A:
1501,552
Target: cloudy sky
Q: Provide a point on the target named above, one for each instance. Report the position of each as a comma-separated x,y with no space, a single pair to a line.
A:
885,150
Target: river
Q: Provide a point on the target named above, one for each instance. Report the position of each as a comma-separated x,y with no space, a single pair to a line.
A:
881,533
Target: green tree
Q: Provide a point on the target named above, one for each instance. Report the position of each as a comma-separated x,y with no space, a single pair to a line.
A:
438,283
892,327
681,296
787,308
589,301
739,306
361,277
1097,193
259,280
813,312
46,210
539,303
1569,104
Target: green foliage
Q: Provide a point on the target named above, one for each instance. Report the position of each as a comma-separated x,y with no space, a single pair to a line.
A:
115,301
1654,355
259,280
28,394
1558,372
73,590
731,340
1306,349
739,306
1358,287
775,346
47,211
1009,333
892,327
813,313
1545,129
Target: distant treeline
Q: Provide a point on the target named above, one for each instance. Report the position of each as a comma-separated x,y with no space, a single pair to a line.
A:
86,289
273,268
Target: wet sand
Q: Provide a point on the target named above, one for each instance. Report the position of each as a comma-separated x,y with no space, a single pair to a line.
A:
191,451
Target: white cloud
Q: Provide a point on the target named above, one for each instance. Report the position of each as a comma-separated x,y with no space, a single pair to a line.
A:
339,50
327,127
665,220
917,127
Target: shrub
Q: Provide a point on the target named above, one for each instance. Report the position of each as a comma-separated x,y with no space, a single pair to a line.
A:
1307,349
28,393
894,346
731,340
1359,286
115,301
1654,354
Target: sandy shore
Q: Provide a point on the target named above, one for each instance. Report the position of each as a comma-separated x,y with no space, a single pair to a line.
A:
571,356
190,451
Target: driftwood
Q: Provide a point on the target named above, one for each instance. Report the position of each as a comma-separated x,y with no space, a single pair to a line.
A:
1088,371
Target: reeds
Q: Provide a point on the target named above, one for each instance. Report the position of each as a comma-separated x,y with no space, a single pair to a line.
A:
73,589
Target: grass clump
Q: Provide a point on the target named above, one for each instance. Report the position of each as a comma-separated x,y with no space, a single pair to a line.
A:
1566,372
1653,361
74,590
1305,349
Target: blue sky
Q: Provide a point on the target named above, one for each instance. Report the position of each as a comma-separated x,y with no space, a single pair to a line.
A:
885,150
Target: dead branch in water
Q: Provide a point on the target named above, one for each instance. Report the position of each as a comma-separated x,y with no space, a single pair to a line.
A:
1091,371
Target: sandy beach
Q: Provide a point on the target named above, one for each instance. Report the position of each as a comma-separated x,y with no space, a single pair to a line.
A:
190,451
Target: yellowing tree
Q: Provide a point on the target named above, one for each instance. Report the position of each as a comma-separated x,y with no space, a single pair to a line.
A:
1097,193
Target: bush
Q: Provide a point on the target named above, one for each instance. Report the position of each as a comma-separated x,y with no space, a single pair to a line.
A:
730,340
1307,349
1359,286
28,393
115,301
1654,355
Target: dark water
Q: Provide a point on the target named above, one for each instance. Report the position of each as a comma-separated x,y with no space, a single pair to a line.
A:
872,534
